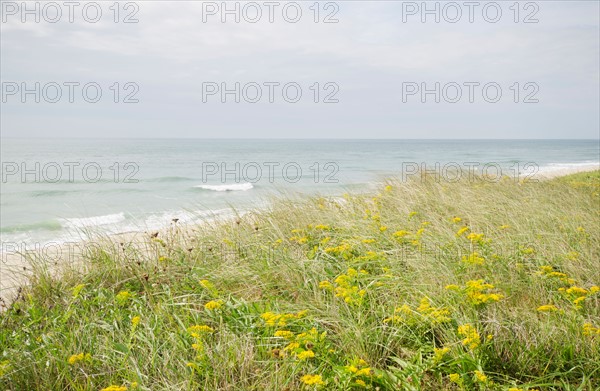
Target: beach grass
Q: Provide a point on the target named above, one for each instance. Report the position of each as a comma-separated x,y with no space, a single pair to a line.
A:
426,285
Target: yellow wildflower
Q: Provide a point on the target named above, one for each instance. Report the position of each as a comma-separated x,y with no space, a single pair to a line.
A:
200,329
114,388
360,382
213,305
284,334
456,219
480,377
473,259
312,380
306,355
472,338
123,296
383,228
400,234
368,241
461,231
135,321
455,378
589,329
439,353
75,358
547,308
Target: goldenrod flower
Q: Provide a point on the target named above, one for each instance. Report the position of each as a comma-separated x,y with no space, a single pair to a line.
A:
360,382
383,228
306,355
455,378
439,353
400,234
213,305
547,308
200,329
461,231
123,296
284,334
76,358
456,219
114,388
472,338
480,377
311,380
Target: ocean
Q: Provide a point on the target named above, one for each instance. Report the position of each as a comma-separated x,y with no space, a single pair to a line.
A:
59,190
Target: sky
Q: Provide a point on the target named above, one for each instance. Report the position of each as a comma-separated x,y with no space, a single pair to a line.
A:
340,69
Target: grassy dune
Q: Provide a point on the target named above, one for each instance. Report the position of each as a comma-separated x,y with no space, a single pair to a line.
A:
421,286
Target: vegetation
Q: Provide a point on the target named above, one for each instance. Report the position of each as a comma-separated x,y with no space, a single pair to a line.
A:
426,285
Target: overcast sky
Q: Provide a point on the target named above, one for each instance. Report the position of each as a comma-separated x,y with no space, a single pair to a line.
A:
372,59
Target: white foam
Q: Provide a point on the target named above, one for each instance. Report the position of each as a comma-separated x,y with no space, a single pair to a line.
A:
557,169
95,221
231,187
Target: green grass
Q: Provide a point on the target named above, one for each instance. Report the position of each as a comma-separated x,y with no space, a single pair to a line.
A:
375,286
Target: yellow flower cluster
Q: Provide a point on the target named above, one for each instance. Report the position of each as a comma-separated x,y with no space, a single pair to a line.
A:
439,353
299,239
76,358
462,231
114,388
200,329
213,305
346,286
480,377
209,286
578,295
344,250
123,296
284,334
400,234
423,313
301,346
312,380
473,259
280,320
455,378
471,336
359,371
476,238
547,308
477,292
548,271
135,321
589,329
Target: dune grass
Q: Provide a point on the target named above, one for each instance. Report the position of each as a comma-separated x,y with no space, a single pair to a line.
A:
421,286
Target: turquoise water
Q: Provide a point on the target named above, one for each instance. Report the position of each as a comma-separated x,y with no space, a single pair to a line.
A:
132,185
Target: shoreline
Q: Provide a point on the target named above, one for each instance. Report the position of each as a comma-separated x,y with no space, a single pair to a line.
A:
16,266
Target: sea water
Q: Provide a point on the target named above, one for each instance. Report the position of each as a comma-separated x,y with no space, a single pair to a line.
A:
57,190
